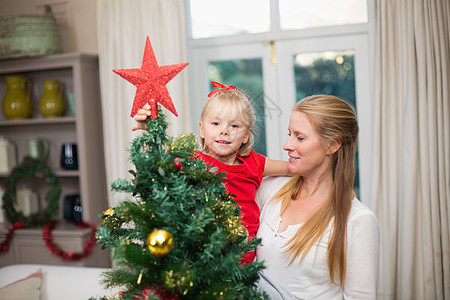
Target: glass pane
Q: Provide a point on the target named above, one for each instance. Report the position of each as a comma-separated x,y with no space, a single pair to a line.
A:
331,73
213,18
300,14
246,75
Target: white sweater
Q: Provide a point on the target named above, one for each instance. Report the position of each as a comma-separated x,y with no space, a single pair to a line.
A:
310,279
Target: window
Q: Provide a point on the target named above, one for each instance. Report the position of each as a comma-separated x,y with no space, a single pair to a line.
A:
301,14
231,17
214,18
328,72
278,60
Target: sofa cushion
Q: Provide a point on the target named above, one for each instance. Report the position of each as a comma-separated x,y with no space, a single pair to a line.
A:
28,288
61,282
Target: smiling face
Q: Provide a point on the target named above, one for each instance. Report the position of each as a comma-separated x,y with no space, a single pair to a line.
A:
307,155
226,126
223,136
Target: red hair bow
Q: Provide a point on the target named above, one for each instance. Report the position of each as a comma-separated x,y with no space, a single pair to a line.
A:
224,88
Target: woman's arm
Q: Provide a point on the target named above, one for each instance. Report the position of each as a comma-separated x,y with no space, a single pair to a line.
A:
276,168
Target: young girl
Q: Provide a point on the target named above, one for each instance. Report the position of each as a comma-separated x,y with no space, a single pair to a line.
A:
226,132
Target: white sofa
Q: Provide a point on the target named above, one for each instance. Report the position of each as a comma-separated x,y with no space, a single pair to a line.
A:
58,282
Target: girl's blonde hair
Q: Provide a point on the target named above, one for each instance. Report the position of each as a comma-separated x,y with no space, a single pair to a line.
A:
235,103
335,122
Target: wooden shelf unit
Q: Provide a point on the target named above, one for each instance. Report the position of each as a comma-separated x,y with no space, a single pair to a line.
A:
79,75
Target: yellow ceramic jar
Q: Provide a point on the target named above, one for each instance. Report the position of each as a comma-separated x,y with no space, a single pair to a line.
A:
52,103
16,102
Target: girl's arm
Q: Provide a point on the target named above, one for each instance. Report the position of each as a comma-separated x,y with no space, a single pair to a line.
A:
276,168
140,118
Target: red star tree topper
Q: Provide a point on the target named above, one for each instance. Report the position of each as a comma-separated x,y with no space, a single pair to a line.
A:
151,80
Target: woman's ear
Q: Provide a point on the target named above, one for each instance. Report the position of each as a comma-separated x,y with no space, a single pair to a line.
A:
333,147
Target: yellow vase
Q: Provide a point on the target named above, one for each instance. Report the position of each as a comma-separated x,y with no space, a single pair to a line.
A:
52,103
17,100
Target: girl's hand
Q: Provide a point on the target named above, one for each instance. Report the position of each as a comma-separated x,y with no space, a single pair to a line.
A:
140,118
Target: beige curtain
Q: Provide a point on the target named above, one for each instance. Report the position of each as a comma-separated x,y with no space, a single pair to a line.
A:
123,26
412,148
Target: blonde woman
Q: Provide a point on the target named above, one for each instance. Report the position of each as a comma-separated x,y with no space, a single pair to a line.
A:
318,241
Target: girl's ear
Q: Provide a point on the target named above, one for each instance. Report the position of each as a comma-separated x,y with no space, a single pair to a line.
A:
247,136
333,147
200,126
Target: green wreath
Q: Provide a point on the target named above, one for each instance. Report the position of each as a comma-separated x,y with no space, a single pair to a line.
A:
31,168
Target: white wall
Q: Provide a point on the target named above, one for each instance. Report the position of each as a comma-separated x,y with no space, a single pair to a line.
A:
78,35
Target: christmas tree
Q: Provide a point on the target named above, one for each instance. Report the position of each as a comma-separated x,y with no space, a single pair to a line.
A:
181,236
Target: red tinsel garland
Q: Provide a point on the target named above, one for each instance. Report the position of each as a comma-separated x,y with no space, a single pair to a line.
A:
32,168
54,249
4,246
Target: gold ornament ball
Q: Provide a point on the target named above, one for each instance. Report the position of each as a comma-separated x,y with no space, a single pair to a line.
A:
160,242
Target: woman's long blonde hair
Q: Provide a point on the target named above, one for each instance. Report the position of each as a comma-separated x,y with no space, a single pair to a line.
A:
335,122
